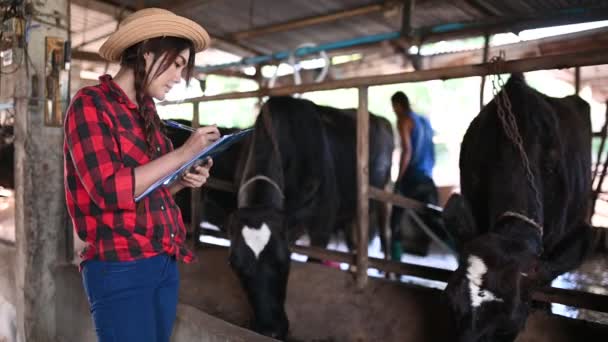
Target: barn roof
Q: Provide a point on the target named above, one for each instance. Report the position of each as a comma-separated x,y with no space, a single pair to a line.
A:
255,27
266,26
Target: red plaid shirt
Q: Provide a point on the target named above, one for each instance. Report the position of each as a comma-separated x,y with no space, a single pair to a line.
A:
104,143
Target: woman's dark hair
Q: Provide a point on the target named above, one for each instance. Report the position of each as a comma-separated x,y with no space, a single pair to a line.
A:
401,99
165,51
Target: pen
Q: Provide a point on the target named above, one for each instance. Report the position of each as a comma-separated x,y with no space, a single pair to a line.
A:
176,124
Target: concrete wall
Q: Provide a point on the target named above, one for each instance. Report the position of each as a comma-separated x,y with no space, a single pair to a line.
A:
323,304
74,322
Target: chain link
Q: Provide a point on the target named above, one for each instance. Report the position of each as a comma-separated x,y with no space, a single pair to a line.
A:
509,124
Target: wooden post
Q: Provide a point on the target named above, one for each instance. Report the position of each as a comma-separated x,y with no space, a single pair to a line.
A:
40,214
195,194
577,80
260,80
486,51
604,169
362,187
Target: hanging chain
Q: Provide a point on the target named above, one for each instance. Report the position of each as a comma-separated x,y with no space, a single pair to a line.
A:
509,124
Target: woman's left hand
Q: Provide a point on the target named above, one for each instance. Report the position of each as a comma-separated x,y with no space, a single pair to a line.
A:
197,178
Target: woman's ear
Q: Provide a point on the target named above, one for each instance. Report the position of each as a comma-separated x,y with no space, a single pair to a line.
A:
149,58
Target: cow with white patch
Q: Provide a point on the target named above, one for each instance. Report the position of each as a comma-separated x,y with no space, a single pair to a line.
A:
522,218
298,176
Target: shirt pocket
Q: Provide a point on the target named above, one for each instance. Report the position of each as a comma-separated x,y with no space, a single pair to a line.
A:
158,211
145,218
179,228
133,148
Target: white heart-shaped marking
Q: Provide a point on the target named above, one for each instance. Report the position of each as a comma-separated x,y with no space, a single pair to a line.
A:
256,239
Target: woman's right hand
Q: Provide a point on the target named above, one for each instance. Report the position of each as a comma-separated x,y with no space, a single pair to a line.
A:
200,139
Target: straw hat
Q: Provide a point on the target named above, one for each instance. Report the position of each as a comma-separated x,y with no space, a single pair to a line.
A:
151,23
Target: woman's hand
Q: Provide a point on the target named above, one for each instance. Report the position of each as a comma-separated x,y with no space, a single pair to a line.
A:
200,139
197,178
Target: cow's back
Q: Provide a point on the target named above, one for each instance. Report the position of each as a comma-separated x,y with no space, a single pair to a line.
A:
341,128
319,143
556,136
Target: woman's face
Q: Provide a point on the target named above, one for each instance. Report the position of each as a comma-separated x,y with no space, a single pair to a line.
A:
160,86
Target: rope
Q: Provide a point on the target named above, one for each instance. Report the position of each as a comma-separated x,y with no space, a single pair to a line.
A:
524,218
253,179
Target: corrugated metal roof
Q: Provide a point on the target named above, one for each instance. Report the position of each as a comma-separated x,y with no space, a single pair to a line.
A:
224,18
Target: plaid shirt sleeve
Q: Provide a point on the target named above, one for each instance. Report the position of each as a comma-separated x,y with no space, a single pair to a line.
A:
91,140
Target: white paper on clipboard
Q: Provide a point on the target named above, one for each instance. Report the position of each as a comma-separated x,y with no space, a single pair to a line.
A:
212,150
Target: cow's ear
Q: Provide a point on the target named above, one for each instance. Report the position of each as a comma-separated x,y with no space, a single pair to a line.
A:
459,219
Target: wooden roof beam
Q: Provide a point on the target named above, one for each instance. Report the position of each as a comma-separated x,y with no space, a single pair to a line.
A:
227,43
95,34
503,24
94,57
313,20
595,57
484,7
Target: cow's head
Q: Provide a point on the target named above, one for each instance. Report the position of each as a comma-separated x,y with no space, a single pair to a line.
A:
489,292
259,254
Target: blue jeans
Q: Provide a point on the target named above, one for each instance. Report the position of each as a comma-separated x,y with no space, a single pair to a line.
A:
132,301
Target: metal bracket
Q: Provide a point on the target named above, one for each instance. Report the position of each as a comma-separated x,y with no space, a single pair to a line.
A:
57,81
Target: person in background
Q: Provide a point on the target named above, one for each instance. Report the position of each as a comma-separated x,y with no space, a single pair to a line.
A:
415,176
114,150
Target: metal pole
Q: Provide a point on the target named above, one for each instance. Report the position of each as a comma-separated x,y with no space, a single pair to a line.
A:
362,187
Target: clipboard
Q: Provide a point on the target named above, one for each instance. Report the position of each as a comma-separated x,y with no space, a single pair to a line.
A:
219,146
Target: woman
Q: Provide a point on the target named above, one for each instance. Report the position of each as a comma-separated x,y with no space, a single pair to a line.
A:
114,149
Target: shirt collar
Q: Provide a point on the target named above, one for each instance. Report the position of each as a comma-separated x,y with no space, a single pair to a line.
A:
107,84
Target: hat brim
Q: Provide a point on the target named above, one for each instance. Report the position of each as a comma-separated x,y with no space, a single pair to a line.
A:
153,26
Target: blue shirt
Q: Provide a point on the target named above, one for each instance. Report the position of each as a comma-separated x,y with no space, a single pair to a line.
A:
423,152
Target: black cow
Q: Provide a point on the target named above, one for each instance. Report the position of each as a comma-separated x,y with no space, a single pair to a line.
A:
298,176
510,243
